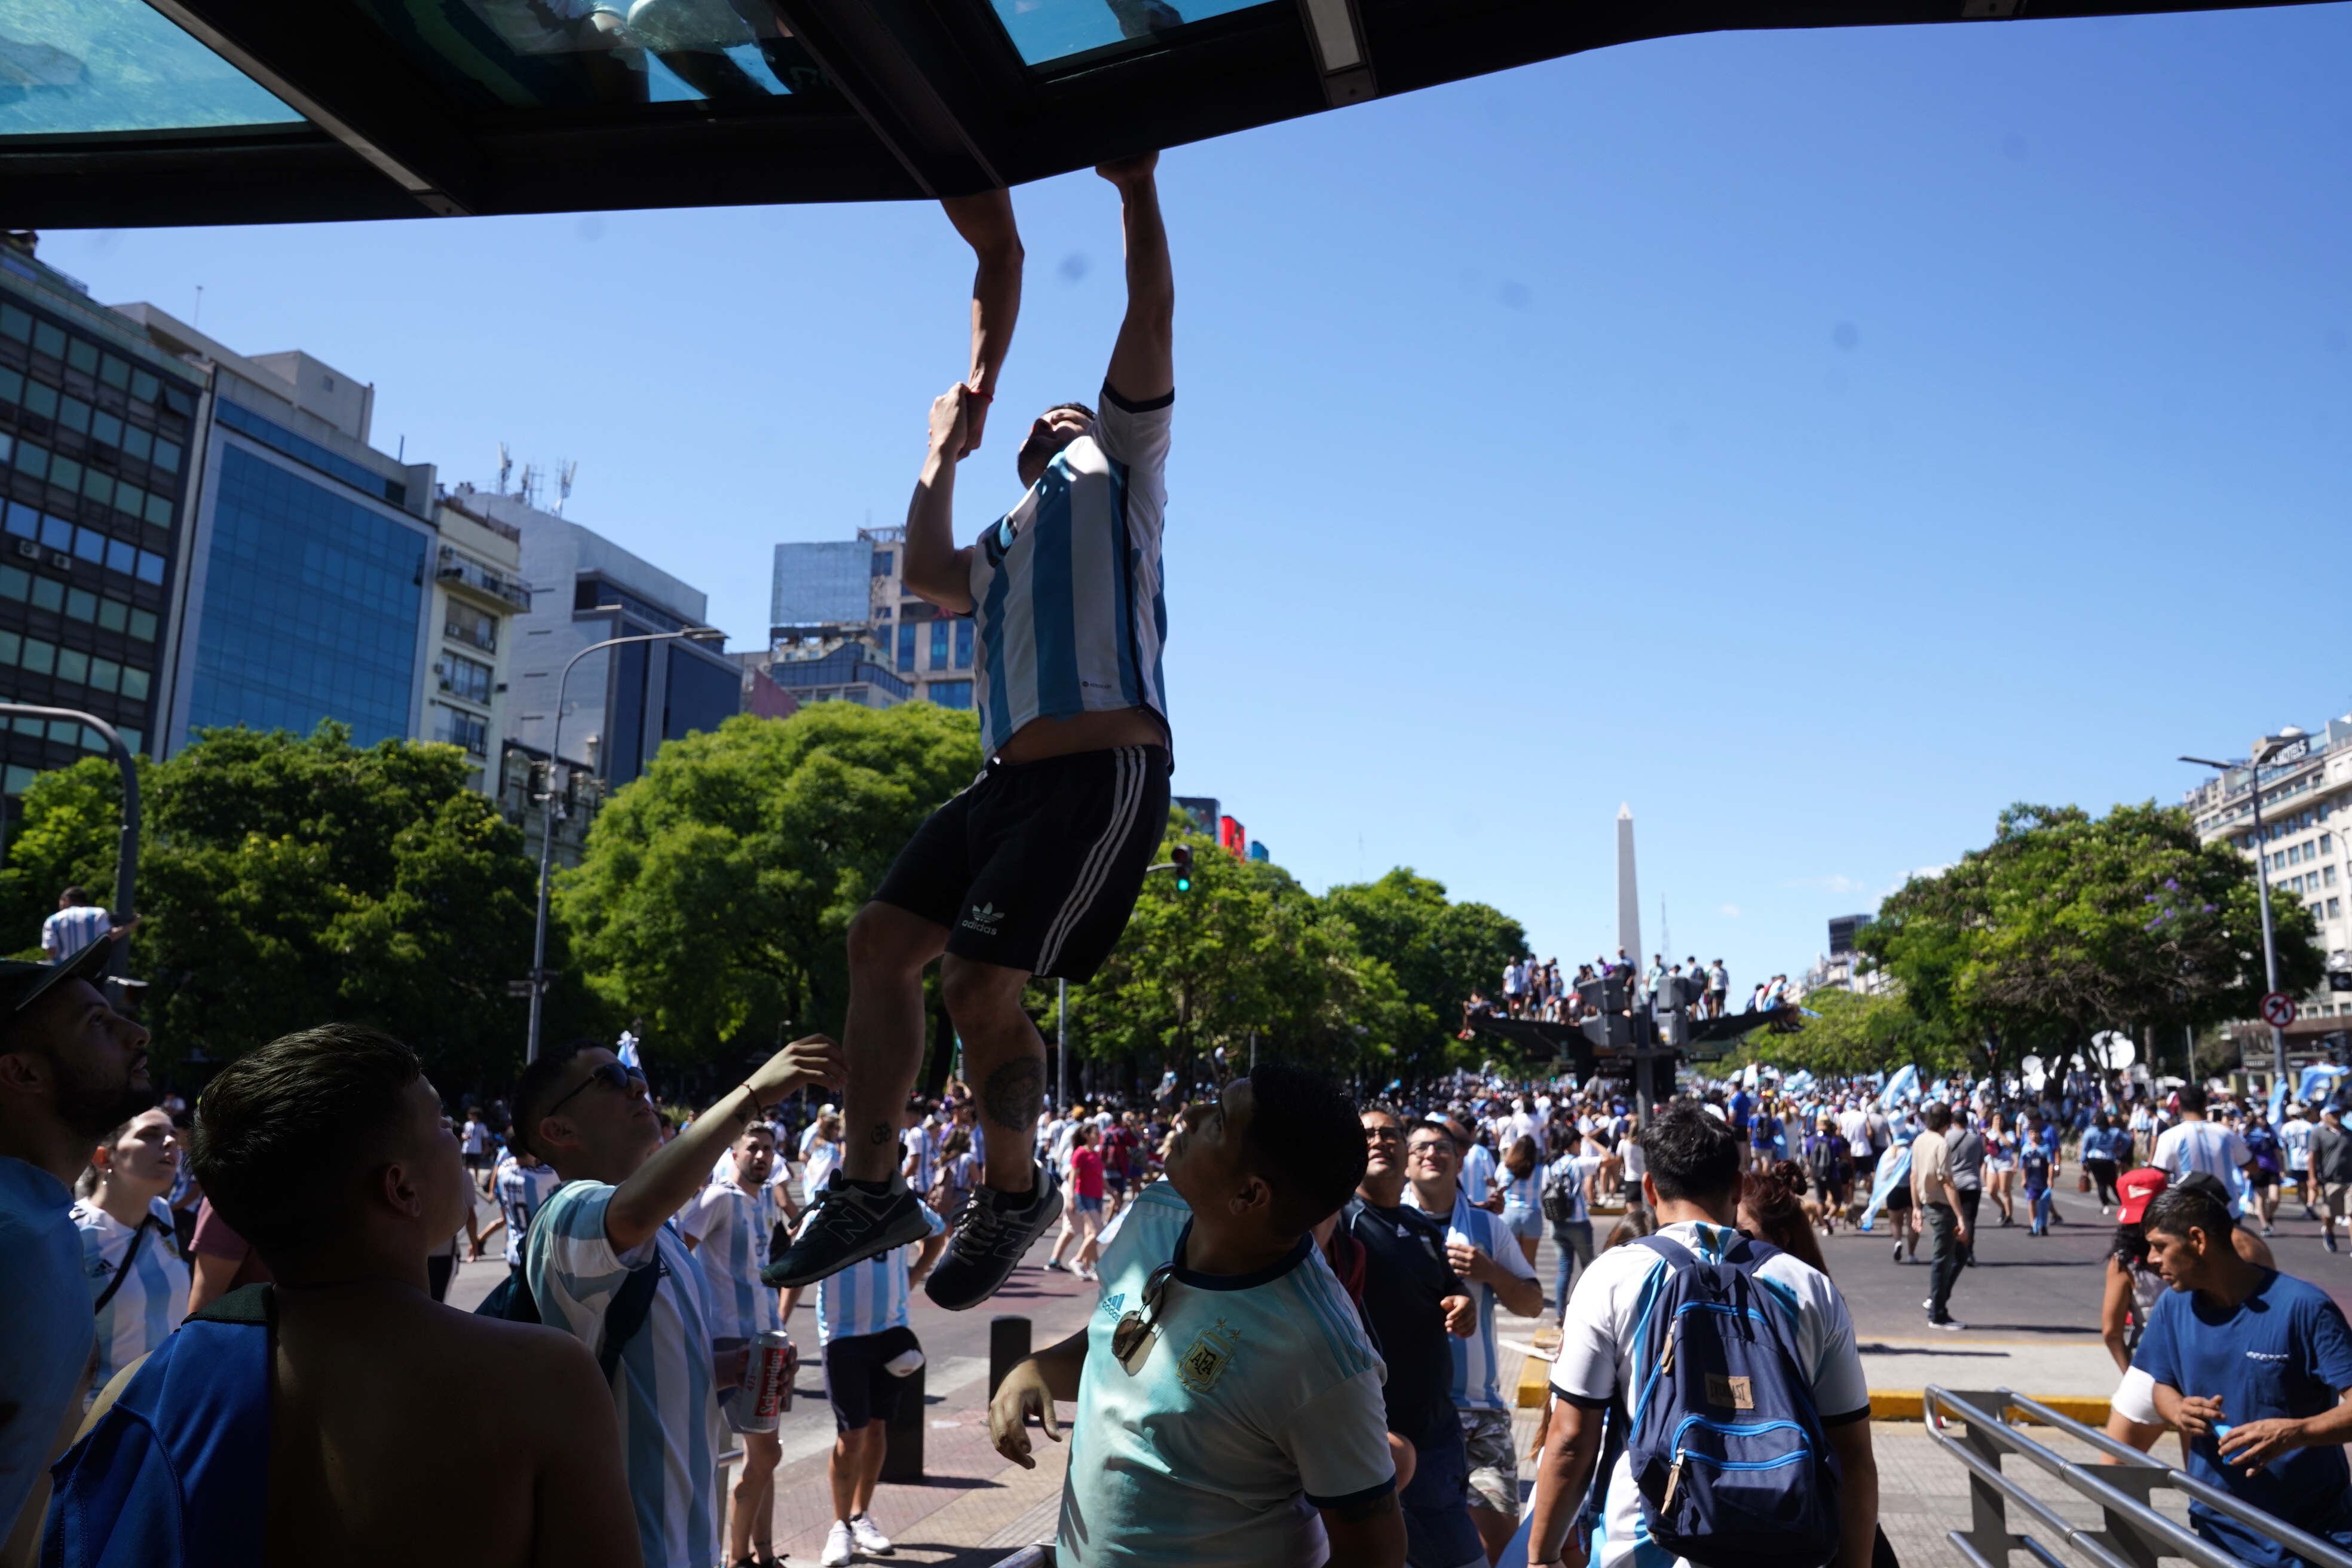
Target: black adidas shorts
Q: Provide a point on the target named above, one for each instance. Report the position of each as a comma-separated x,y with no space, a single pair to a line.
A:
1036,866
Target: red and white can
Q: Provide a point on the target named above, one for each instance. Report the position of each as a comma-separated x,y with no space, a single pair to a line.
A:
768,1379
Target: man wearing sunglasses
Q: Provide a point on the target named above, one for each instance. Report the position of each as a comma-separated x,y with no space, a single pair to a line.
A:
1229,1408
586,1114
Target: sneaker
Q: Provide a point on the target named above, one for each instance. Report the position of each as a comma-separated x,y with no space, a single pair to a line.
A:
1054,1265
1899,1252
2329,1242
1949,1325
1085,1274
989,1238
869,1539
838,1546
848,1225
1929,1305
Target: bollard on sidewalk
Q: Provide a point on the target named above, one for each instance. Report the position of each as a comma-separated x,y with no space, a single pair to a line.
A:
902,1441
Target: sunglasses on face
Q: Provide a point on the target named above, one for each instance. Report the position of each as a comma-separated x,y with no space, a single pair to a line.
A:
1132,1327
612,1076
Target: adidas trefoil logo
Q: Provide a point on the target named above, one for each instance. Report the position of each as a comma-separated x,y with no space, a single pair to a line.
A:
983,919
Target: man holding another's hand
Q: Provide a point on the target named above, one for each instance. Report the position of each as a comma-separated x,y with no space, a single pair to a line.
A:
2254,1367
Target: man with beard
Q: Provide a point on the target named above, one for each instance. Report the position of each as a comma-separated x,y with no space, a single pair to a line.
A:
71,1067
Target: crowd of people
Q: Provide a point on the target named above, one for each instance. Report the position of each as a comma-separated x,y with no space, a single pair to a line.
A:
1541,991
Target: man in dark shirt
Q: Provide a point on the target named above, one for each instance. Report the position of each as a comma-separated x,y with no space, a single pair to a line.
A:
1412,1300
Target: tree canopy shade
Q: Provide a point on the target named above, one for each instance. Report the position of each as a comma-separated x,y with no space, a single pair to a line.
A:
289,881
1853,1035
1439,951
2065,925
716,893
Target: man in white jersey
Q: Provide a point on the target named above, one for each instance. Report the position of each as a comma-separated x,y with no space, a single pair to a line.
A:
76,924
521,1182
2295,1140
727,1228
1692,1187
587,1115
2197,1145
868,1350
1033,870
1477,1178
1486,1255
1230,1410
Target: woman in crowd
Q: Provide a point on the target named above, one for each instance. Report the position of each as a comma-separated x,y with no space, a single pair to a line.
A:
129,1246
2000,1167
823,1156
1522,1195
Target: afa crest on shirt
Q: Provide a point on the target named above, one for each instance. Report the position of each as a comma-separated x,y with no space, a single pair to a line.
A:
1206,1358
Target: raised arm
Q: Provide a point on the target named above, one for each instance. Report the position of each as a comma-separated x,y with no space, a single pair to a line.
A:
985,221
1143,361
936,569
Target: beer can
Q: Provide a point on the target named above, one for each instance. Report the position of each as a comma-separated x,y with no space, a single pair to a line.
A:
769,1377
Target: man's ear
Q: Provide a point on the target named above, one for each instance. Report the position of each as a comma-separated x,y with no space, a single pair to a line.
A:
395,1184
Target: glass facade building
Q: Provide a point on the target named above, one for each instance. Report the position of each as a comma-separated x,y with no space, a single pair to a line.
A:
311,608
95,434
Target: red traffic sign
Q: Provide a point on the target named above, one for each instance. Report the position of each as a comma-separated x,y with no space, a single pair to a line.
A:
2278,1009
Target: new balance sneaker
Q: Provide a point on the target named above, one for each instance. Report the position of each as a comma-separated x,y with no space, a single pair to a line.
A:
848,1225
990,1236
839,1548
871,1540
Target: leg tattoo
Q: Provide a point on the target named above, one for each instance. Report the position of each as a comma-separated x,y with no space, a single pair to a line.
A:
1015,1092
881,1133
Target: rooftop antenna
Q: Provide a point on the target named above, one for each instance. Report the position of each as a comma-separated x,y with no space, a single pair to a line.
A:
566,470
529,487
506,465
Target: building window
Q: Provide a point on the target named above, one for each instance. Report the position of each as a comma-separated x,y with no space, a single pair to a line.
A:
476,628
457,728
938,644
2335,908
963,644
883,561
949,693
906,649
466,678
2327,876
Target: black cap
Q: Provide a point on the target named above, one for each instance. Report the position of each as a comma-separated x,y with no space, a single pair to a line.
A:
22,984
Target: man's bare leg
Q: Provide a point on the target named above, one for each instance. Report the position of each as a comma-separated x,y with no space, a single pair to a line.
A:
1005,1056
883,1037
755,1495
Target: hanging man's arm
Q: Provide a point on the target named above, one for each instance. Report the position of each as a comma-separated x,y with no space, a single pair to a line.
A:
985,221
1143,361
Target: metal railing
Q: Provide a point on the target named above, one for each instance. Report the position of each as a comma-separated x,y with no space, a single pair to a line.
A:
2132,1535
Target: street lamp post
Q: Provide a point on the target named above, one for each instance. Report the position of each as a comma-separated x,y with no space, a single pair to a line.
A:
2263,753
547,814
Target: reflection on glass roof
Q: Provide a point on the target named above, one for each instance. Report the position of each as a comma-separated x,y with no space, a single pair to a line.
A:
116,65
544,54
1047,31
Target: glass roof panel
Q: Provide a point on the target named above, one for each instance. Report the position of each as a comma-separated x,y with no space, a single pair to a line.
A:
581,54
1049,30
116,65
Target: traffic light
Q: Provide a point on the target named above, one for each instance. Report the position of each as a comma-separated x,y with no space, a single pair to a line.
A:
1182,855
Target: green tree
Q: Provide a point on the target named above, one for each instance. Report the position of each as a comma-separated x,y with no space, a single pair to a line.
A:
716,889
1439,951
1246,951
69,835
288,881
1854,1035
2065,925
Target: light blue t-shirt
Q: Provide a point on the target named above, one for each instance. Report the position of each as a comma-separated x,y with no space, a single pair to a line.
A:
44,1325
662,1388
1476,1386
868,1298
1254,1401
152,1298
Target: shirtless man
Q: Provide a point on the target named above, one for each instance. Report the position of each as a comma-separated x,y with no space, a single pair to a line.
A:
327,1149
1032,871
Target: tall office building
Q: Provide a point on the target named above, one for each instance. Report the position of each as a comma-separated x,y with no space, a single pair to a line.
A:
309,554
622,703
477,593
843,625
97,436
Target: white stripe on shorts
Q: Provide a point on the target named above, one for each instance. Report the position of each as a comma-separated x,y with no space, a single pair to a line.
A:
1126,795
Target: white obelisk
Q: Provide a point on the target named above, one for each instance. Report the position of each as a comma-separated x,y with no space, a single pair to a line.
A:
1629,896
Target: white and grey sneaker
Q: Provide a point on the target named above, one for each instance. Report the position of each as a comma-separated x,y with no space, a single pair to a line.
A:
871,1540
989,1238
848,1225
839,1548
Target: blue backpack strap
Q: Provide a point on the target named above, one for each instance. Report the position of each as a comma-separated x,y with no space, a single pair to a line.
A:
1677,1255
176,1474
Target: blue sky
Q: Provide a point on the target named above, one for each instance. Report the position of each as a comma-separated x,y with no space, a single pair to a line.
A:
1817,439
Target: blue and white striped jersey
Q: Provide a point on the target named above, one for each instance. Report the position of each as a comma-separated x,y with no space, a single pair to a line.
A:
730,1230
919,1149
70,930
2206,1148
662,1389
1475,1384
1065,589
520,1190
869,1297
153,1298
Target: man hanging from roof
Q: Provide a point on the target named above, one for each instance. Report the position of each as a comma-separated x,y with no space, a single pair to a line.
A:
1033,870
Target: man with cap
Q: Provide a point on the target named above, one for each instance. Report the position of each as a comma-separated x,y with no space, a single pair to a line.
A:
71,1067
2131,1410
